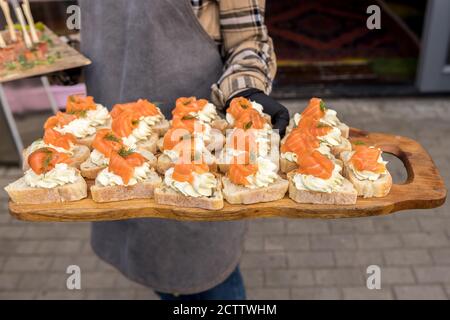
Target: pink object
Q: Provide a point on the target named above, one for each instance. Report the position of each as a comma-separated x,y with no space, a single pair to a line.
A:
29,95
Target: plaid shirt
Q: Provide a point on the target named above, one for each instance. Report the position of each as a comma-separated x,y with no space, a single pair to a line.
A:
238,27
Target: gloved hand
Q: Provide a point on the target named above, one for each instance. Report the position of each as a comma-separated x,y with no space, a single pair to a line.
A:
278,112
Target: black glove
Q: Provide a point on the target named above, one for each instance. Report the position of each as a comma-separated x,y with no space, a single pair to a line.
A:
278,112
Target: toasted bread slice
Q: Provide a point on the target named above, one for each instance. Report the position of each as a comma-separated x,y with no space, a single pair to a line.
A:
164,163
168,196
367,188
80,154
236,194
345,130
90,170
141,190
87,141
161,127
286,165
345,196
149,145
220,124
21,193
344,146
160,144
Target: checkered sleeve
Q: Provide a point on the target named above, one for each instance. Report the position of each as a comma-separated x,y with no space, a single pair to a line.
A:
250,60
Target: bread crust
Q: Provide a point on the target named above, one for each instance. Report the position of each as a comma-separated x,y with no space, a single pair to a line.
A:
366,188
345,130
21,193
220,124
161,127
287,166
141,190
167,196
90,170
347,196
236,194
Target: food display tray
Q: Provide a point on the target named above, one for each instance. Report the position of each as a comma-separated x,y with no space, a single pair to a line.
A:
424,188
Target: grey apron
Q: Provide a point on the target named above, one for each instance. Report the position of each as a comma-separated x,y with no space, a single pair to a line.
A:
156,50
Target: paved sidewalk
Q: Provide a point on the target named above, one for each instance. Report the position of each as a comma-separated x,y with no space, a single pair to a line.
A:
284,259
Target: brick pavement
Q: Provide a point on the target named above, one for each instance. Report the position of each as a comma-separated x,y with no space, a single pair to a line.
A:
284,259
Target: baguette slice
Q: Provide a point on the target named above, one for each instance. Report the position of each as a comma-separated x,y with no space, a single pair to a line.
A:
80,154
168,196
21,193
287,166
87,141
141,190
220,124
90,170
344,146
345,130
346,196
161,127
236,194
149,145
366,188
164,163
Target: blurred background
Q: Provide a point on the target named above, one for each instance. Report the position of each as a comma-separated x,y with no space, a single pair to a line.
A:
395,80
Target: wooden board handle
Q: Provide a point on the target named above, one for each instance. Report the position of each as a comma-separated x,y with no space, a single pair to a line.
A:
419,166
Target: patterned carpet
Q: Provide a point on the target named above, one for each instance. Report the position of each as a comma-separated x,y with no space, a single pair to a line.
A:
328,40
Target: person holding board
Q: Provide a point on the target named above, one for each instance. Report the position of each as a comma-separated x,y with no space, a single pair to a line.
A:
162,50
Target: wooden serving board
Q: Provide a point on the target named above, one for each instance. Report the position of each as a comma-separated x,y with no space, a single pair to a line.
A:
69,58
423,189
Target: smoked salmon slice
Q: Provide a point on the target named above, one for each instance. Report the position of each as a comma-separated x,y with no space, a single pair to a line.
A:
315,109
57,139
77,104
106,141
142,108
124,124
313,127
188,123
366,158
300,142
59,120
315,164
122,163
184,106
250,119
182,172
238,105
173,136
45,159
238,173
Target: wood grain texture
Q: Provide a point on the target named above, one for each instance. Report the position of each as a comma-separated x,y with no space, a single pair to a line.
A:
423,189
70,58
